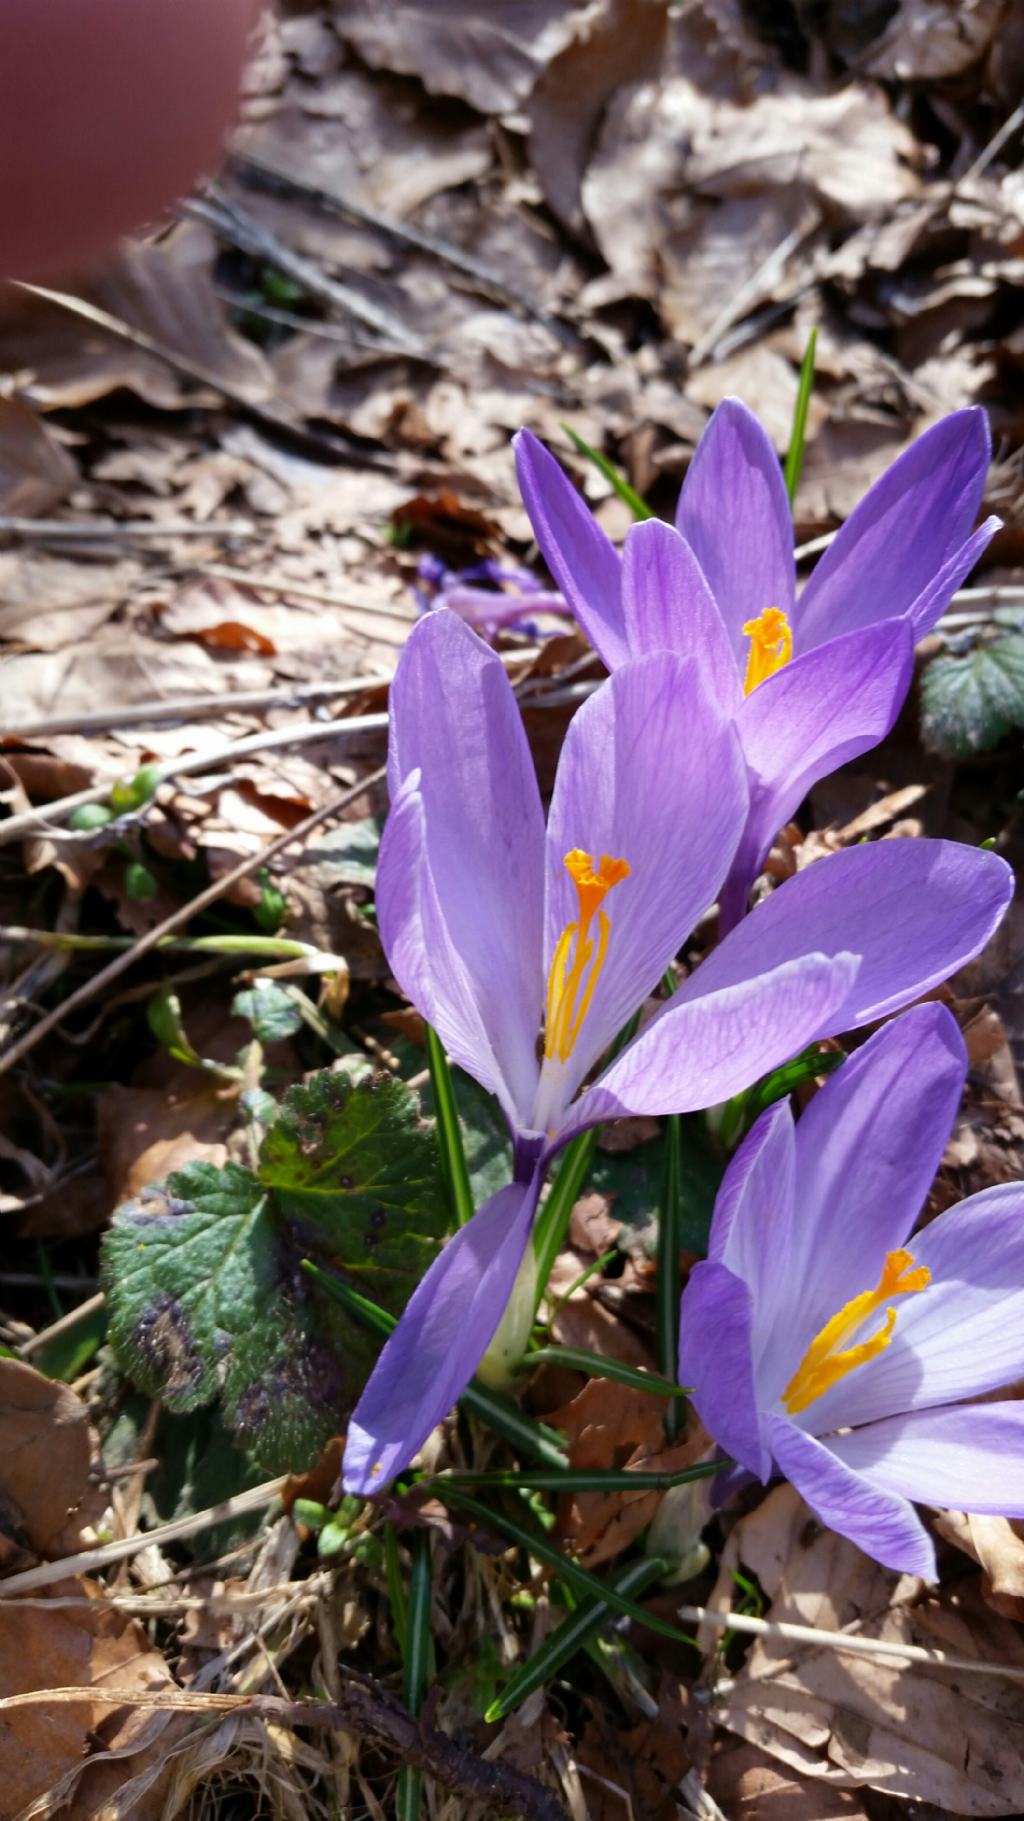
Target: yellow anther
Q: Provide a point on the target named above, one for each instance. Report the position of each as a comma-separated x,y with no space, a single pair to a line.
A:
771,646
571,984
827,1360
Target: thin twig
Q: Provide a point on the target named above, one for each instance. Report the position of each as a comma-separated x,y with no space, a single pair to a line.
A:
240,229
183,914
847,1645
87,1561
336,447
104,530
301,591
993,148
274,739
763,277
255,171
191,708
62,1325
364,1709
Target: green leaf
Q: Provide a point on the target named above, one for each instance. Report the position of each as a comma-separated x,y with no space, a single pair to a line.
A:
139,883
89,816
271,1011
272,908
204,1282
795,452
348,855
596,1365
969,703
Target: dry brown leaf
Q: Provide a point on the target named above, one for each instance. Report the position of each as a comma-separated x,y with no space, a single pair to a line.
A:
614,42
751,1786
48,602
36,471
80,1647
997,1546
146,1133
490,56
931,40
933,1735
45,1455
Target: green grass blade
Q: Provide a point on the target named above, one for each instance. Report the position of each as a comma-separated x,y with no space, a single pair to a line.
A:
570,1636
670,1240
579,1579
596,1365
580,1479
449,1131
417,1658
795,452
627,494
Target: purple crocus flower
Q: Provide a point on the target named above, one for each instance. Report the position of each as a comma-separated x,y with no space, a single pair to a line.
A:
810,683
496,926
825,1343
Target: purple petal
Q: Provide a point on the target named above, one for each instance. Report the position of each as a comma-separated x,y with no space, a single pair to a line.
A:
421,952
867,1149
668,606
454,718
933,600
912,911
826,707
961,1337
443,1335
716,1359
882,1523
755,1210
583,561
650,772
911,524
734,514
971,1459
696,1054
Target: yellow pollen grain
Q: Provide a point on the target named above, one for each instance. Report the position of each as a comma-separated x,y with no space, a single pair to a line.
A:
771,646
827,1360
571,983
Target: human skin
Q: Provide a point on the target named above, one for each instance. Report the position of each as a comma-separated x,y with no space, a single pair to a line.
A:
109,110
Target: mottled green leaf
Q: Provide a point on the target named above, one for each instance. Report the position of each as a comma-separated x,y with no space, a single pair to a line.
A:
271,1011
970,702
349,853
204,1282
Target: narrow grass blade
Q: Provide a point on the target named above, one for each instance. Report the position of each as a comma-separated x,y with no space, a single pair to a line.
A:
570,1636
795,452
596,1365
579,1579
627,494
596,1265
500,1413
739,1114
396,1587
449,1132
552,1223
417,1657
581,1479
508,1421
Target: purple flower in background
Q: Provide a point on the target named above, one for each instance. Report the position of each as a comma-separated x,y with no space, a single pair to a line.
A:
825,1343
496,926
512,596
810,683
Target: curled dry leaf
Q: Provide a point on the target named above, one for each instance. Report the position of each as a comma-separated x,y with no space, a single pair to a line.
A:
45,1455
36,471
997,1546
930,40
934,1735
489,56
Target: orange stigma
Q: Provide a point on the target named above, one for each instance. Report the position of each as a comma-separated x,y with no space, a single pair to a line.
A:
826,1360
771,646
571,988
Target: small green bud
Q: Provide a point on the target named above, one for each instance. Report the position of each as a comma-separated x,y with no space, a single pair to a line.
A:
91,815
139,882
